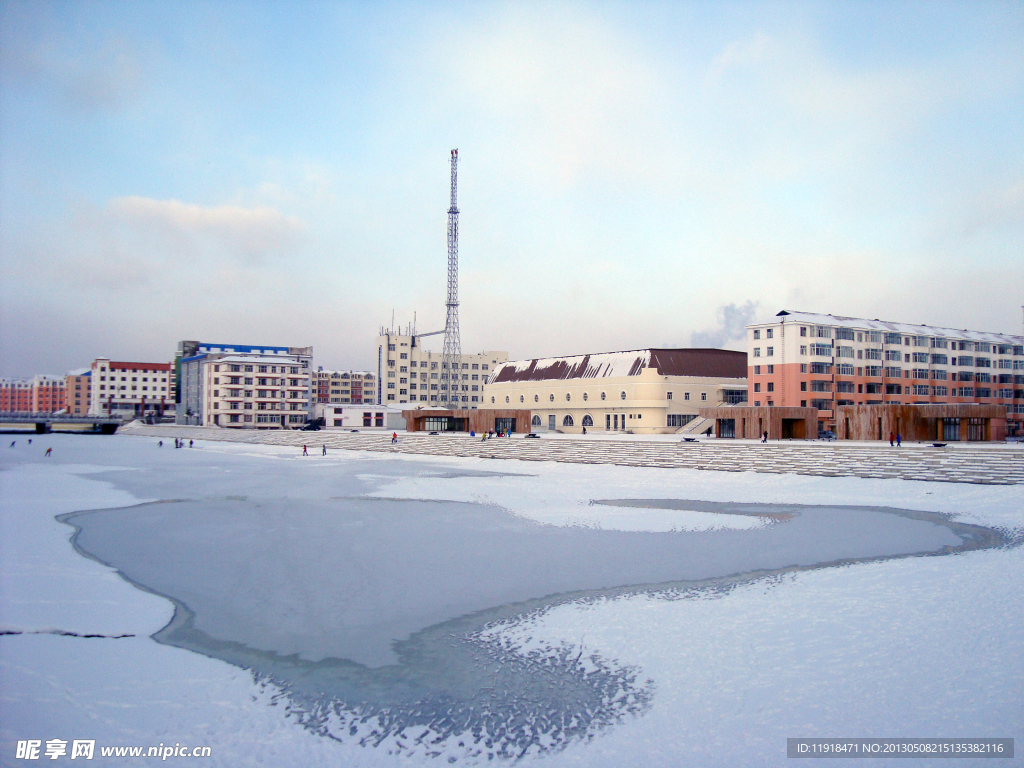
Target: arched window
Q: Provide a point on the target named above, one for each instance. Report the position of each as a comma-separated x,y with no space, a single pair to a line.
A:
568,397
622,395
584,397
536,420
567,421
551,397
522,399
602,395
587,421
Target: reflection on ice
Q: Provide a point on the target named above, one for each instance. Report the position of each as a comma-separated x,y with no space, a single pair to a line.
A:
381,620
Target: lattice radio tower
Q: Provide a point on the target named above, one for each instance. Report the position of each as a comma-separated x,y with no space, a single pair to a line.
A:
451,357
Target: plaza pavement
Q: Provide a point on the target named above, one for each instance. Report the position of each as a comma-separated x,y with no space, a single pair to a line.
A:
1000,464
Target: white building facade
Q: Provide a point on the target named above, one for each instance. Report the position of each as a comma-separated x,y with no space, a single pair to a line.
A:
131,389
407,373
644,391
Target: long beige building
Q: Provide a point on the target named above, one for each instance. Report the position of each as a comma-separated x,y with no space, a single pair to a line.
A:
644,391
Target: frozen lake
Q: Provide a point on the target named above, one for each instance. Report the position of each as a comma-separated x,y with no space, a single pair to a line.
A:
461,609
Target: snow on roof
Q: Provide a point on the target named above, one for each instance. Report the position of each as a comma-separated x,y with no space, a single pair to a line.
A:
812,318
669,362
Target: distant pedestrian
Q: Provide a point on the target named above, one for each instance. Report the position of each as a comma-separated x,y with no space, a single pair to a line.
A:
325,449
764,437
394,438
304,453
899,439
189,443
892,439
48,451
161,444
584,430
13,442
30,441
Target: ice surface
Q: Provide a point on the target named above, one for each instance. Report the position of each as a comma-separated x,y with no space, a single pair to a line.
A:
914,646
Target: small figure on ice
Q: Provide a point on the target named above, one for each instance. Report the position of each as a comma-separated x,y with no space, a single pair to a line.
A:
325,449
394,438
49,451
304,452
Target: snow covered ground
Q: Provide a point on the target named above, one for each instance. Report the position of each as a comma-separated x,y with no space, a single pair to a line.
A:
916,646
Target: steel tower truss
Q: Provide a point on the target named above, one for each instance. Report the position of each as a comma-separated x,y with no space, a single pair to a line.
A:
451,356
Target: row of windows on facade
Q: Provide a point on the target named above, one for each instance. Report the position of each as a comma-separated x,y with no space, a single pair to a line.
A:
897,372
259,406
268,382
134,378
273,394
235,418
133,370
434,399
881,337
968,361
613,420
444,376
133,389
232,368
586,397
455,387
433,365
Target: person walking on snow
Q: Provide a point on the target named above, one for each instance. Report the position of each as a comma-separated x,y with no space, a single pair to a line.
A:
892,439
764,437
325,449
394,438
48,451
899,439
304,453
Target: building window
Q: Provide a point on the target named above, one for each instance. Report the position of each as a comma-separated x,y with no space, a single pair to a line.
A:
768,334
567,421
551,397
506,398
771,369
757,386
757,370
602,395
757,334
568,397
668,395
622,395
584,397
771,386
521,399
686,395
757,351
536,398
703,395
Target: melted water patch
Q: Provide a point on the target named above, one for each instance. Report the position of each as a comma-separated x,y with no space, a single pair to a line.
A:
375,618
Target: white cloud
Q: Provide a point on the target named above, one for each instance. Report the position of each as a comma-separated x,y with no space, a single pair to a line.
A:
192,231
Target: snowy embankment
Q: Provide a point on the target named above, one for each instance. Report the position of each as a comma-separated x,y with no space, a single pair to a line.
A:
921,646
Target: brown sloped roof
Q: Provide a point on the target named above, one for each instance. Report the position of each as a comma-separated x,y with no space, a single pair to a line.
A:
714,363
717,363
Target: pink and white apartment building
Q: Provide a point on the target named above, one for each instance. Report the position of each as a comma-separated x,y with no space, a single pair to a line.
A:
824,361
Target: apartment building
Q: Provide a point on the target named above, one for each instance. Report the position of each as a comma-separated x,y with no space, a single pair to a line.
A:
645,391
344,386
825,362
77,391
408,373
131,389
195,376
15,395
40,394
47,393
247,392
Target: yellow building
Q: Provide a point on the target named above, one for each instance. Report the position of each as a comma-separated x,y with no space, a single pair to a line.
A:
644,391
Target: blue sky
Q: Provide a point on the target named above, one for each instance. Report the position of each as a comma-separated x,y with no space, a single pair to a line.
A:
631,174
